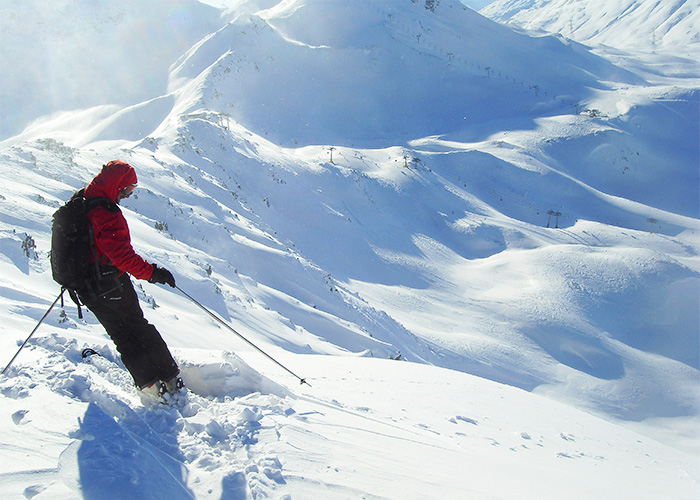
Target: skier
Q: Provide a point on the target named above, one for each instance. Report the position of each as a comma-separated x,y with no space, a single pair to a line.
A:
111,296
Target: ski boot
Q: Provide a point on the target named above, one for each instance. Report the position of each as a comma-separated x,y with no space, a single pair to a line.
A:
154,393
175,391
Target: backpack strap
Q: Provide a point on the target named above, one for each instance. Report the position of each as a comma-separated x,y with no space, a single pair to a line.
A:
91,204
100,201
97,201
74,297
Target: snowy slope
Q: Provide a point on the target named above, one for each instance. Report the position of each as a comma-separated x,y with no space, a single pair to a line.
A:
646,25
358,433
451,139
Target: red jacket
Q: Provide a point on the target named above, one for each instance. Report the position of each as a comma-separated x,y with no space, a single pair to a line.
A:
112,237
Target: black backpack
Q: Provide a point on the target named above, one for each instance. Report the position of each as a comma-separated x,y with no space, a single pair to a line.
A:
73,244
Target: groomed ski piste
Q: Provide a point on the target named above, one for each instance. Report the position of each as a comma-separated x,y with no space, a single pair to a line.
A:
479,247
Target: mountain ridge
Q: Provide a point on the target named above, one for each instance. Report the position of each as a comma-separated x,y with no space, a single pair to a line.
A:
636,25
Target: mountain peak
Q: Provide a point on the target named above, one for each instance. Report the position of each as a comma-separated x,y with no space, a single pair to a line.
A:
414,69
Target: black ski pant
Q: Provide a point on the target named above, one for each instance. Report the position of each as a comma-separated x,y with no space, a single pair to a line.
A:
143,350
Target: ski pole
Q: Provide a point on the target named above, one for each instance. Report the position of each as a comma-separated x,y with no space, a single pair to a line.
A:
60,295
302,380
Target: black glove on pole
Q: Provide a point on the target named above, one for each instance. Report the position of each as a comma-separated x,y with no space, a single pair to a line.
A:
162,275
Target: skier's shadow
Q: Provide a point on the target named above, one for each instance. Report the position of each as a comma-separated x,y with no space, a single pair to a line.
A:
131,456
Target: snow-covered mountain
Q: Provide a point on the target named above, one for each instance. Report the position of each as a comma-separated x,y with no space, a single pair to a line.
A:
647,25
344,183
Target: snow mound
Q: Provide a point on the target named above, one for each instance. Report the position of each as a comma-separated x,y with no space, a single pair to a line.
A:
227,378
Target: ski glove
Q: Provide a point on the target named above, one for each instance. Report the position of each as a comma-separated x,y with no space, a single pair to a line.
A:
162,275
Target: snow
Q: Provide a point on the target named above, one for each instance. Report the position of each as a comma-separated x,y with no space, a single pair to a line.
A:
368,193
630,24
257,439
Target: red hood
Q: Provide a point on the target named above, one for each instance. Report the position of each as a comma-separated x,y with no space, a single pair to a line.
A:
113,177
